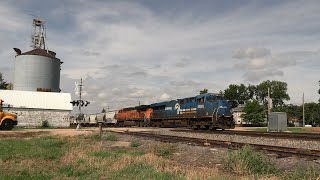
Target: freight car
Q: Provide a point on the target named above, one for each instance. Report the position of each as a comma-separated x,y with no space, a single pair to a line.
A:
110,118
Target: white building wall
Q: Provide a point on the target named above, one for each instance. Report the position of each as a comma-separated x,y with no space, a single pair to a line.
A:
35,117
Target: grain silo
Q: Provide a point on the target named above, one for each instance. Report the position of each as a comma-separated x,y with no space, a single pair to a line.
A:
38,69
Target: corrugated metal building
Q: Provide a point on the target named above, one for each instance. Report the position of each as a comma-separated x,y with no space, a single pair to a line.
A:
37,70
33,108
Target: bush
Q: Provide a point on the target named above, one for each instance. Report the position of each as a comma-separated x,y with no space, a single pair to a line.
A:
45,124
248,161
291,125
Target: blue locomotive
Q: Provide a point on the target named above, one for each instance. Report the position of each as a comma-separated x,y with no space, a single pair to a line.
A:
205,111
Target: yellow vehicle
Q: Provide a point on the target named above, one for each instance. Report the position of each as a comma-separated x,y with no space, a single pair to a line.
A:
7,120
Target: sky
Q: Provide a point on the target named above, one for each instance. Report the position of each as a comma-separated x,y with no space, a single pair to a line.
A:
150,51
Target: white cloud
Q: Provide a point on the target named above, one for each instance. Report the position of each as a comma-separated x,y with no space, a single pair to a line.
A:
251,53
164,97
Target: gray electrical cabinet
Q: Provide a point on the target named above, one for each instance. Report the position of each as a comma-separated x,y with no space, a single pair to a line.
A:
277,121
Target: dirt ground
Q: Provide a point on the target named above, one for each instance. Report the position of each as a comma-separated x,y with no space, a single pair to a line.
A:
28,133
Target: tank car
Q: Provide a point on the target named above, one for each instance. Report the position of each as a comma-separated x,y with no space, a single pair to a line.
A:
110,118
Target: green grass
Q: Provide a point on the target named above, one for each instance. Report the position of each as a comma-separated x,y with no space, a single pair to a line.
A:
116,153
71,171
140,171
247,161
25,175
47,148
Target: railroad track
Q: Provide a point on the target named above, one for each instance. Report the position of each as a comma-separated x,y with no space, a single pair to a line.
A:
283,151
280,135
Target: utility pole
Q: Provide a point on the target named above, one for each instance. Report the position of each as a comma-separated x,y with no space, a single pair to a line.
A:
303,122
80,91
268,101
268,108
79,102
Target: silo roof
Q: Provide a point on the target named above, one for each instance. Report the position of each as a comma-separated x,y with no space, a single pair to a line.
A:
36,100
39,52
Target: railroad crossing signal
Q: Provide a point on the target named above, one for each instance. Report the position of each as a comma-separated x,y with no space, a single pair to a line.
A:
80,103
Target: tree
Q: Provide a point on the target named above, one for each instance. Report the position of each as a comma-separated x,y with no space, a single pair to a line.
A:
103,111
293,111
205,90
237,92
312,113
278,92
251,91
3,84
254,113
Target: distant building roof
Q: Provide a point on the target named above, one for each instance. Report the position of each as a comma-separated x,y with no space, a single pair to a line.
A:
36,100
238,108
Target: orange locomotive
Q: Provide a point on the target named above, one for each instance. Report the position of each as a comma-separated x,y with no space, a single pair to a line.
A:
134,116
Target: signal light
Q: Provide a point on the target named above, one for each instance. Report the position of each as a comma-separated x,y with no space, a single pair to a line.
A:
80,103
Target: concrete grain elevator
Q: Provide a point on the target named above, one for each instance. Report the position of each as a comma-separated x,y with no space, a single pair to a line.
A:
38,69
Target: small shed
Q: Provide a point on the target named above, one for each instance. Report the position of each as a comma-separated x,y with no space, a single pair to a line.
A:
277,121
33,108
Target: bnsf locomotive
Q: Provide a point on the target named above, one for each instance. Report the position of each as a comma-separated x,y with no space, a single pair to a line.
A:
209,111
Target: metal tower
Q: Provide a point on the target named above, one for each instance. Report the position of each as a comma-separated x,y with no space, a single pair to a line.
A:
38,34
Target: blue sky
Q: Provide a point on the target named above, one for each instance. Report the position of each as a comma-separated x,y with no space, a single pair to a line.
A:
149,51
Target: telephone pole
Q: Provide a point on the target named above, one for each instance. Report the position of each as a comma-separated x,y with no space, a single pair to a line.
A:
268,101
303,122
80,91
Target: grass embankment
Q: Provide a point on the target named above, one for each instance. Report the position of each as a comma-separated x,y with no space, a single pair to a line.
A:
95,157
92,157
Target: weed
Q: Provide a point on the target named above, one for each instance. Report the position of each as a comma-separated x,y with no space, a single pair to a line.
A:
135,144
248,161
310,172
109,137
116,153
70,171
136,153
140,171
164,150
45,124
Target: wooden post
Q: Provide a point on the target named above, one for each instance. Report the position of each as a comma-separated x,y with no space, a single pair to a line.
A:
100,129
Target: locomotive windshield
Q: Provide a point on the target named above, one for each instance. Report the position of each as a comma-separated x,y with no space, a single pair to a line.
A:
212,98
